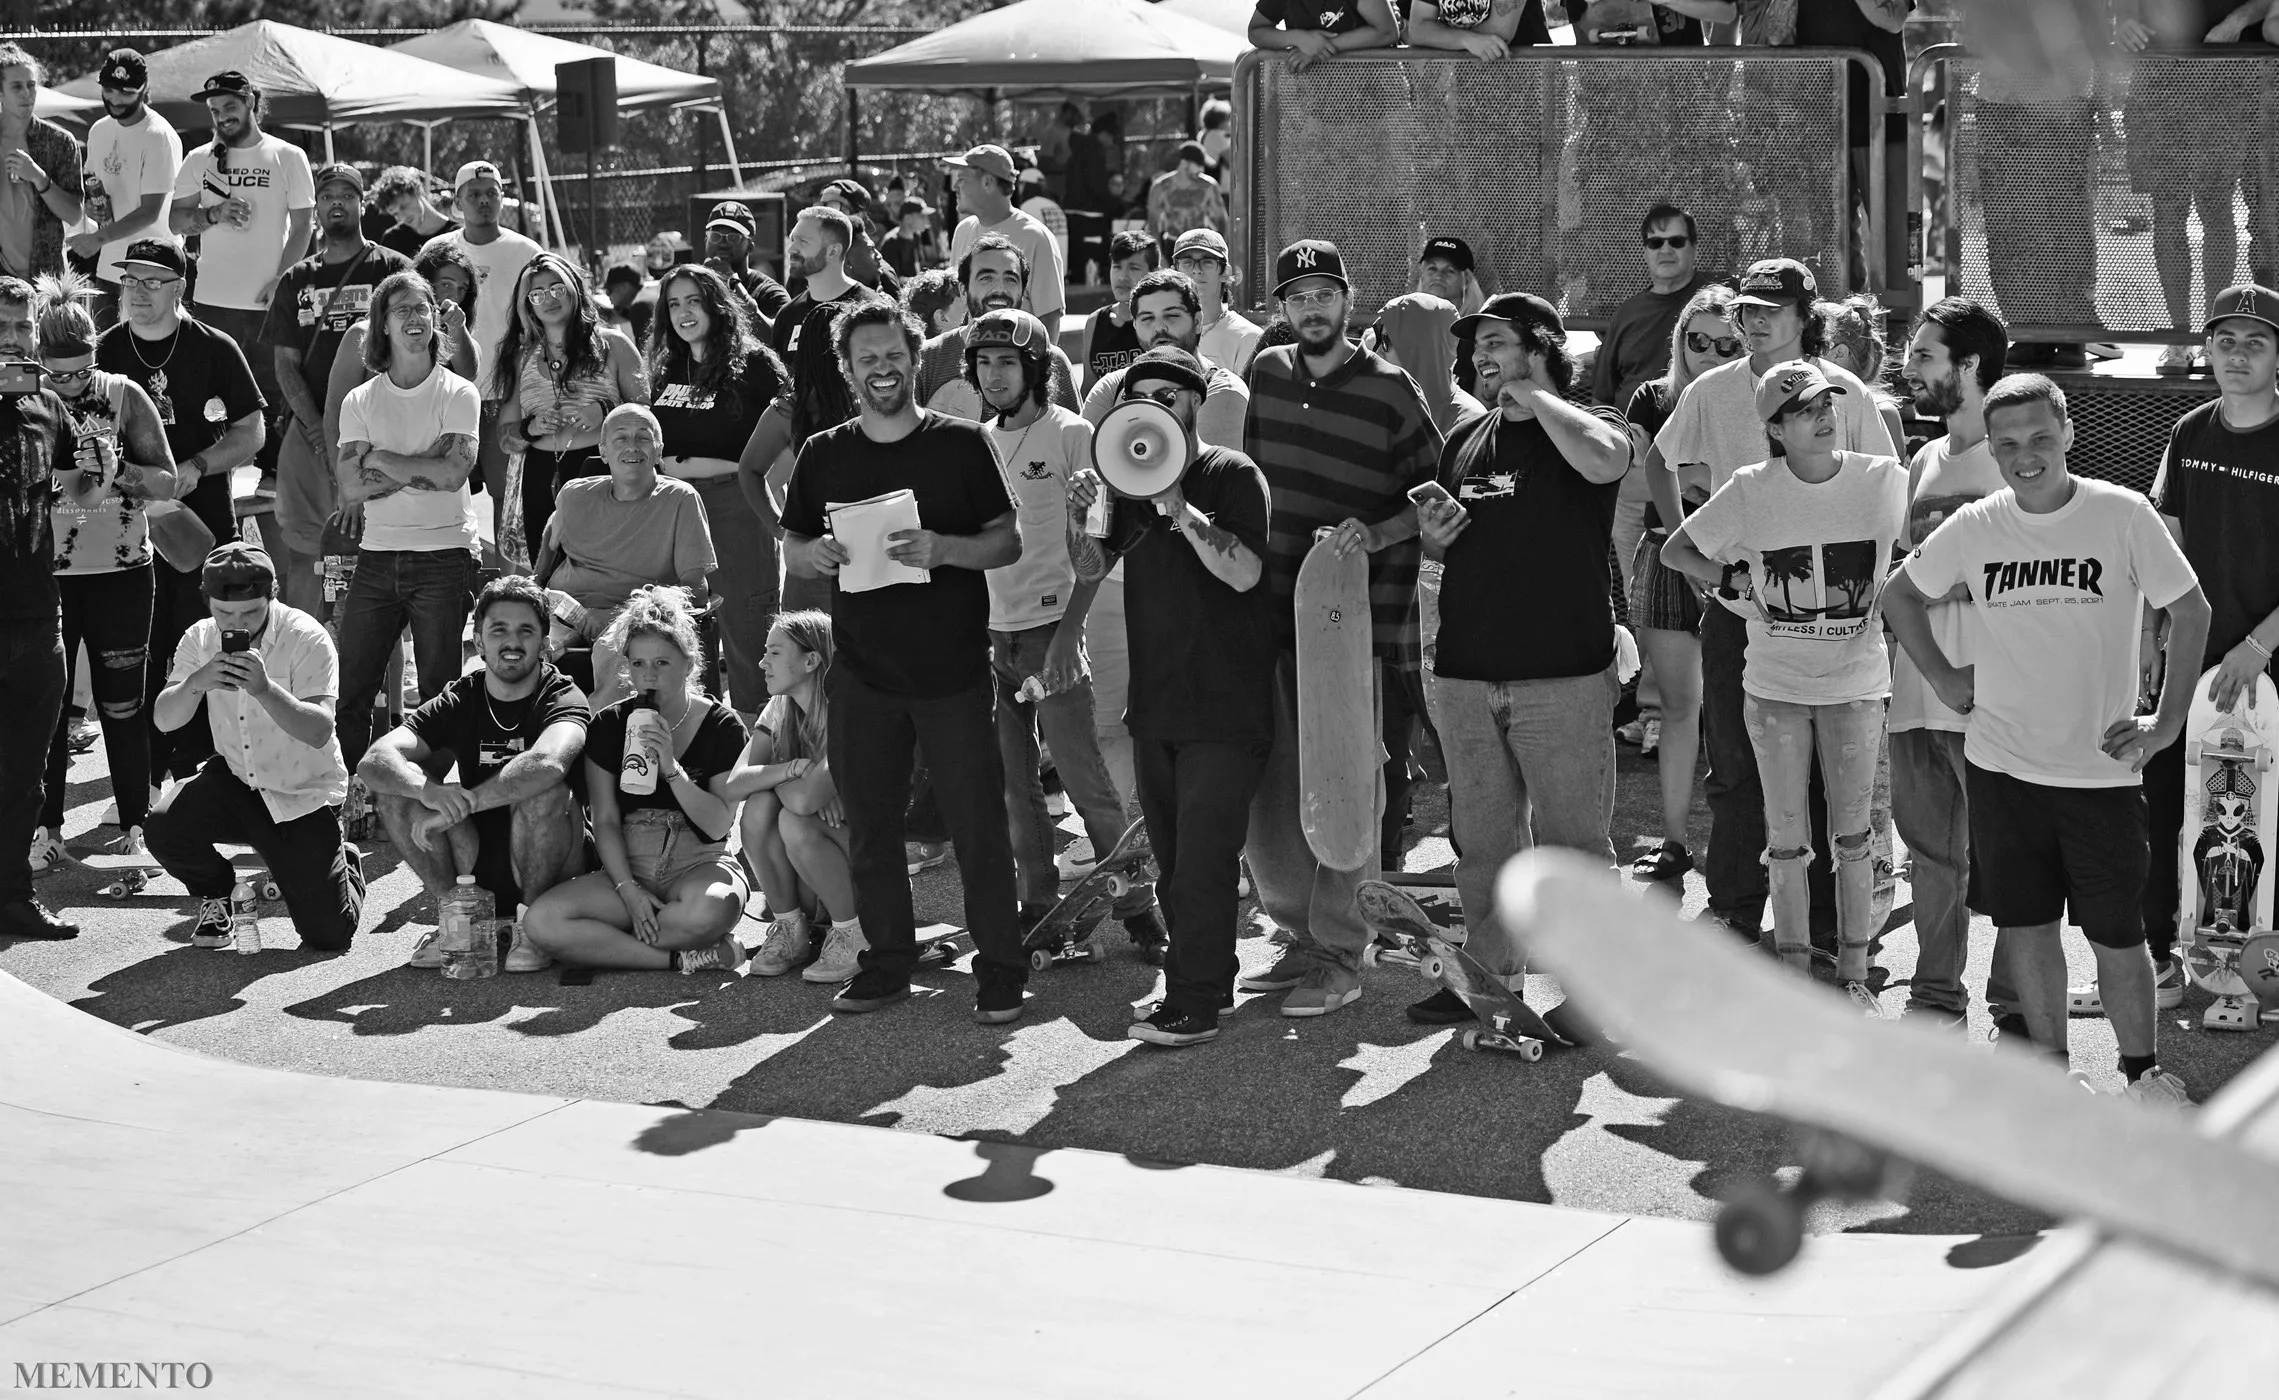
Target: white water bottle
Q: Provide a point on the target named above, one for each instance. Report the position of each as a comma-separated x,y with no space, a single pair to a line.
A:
645,740
244,919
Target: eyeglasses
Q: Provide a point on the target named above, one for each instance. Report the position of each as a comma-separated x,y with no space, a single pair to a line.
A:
1168,396
553,293
418,311
147,284
1675,240
1702,344
1306,301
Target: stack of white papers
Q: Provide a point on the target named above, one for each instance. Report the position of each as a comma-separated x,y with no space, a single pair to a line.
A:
861,527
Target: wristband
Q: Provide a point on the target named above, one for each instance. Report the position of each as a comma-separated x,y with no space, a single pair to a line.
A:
2260,649
622,884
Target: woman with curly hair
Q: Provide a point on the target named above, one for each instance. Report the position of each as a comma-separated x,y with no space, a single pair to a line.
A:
1855,340
668,895
713,379
559,372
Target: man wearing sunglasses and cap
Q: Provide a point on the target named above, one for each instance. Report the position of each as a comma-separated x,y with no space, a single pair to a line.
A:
499,255
985,179
133,157
1201,714
730,232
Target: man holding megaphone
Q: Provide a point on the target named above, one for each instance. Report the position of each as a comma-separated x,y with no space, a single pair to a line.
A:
1188,522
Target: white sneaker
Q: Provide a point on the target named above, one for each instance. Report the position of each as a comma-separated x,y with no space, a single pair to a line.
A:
1056,805
1633,733
131,844
47,852
2167,991
786,944
1650,740
1078,860
522,955
2161,1087
429,952
842,948
1864,1000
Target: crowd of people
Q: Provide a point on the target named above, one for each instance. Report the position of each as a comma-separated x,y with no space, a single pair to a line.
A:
1728,477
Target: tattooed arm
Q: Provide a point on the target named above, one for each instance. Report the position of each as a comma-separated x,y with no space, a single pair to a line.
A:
446,468
1229,559
359,480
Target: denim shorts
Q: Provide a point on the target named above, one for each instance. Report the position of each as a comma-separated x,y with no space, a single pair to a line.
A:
661,847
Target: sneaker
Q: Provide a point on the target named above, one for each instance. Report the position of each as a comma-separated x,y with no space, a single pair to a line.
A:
869,991
1175,1028
2008,1025
1146,931
1442,1008
84,733
787,945
2168,981
924,855
132,844
1668,861
47,852
1651,741
840,958
428,952
522,955
1323,990
1078,860
28,918
1057,805
998,999
2173,359
2159,1086
212,930
1633,733
718,957
1287,972
1864,1000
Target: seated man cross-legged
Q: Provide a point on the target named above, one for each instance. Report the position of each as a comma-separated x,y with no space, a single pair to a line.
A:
512,730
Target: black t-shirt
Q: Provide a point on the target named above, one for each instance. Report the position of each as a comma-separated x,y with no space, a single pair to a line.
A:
899,251
1651,405
404,239
821,397
718,422
1329,16
1111,346
483,733
35,438
1202,654
1670,26
315,303
714,749
766,293
1523,591
921,641
199,382
2219,484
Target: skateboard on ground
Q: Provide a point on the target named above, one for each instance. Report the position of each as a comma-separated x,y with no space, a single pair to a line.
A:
1506,1022
938,945
1065,933
2229,814
1737,1028
1338,741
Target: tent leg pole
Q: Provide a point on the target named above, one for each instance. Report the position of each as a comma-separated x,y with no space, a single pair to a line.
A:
728,139
854,134
427,147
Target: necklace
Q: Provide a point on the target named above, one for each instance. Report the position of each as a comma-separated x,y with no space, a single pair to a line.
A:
501,725
174,343
1013,454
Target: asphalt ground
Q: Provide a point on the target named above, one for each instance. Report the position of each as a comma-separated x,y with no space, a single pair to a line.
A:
1362,1095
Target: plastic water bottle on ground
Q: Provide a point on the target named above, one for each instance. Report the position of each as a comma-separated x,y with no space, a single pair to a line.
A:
468,916
244,919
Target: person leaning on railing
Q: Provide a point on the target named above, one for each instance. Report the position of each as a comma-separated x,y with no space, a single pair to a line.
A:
1312,30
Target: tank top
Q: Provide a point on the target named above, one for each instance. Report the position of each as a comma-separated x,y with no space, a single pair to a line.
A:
541,389
111,535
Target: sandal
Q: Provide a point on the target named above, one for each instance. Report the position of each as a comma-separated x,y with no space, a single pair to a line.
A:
1665,862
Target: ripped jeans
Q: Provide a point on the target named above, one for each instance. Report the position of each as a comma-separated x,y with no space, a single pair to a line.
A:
1847,737
110,612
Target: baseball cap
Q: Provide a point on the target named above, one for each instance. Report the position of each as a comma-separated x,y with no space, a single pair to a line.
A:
735,214
227,83
1007,325
912,206
1777,282
1786,385
477,170
158,252
1456,250
990,160
237,571
851,191
1193,150
124,69
1513,308
341,171
2246,299
1309,257
1171,363
1200,240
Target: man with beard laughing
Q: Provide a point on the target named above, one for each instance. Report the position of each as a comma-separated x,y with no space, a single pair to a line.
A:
133,155
513,730
912,672
995,275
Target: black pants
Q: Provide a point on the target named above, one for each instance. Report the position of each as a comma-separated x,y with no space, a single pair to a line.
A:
175,606
874,738
1403,693
323,888
111,613
1196,799
2164,803
543,474
31,698
1735,870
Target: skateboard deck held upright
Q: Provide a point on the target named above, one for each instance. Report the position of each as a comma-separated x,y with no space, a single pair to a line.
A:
1337,723
2223,850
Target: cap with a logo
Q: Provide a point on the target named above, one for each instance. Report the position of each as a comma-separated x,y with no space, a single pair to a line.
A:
735,214
477,170
341,171
1786,385
1777,282
124,71
989,160
1200,240
1309,257
237,571
1167,362
157,252
1456,250
228,83
1007,326
1516,309
2246,299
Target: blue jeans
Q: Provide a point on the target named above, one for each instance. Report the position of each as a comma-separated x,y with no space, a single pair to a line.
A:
1311,901
1065,722
431,590
31,696
1735,870
1845,737
746,583
1930,807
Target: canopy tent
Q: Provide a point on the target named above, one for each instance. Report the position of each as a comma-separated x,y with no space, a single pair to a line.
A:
1035,48
1230,15
525,62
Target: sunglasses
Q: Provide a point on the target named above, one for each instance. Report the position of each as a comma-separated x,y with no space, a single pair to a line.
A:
1727,345
1675,240
1168,395
69,376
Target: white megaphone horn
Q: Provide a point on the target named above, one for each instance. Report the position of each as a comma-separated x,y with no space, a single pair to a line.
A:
1141,449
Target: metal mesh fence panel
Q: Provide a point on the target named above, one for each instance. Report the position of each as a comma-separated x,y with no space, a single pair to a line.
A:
1544,162
2115,212
2120,427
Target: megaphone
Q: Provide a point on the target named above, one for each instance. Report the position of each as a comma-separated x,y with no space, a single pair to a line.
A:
1141,449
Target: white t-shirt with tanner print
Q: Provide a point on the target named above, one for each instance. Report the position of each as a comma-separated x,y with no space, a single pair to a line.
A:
1818,553
414,421
1944,482
1037,461
2059,597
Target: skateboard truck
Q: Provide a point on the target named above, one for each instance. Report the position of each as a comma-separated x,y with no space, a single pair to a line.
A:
1760,1228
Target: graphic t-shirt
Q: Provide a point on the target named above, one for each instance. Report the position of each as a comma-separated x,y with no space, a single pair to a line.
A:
199,382
1037,461
1523,591
1817,554
483,733
272,175
1112,345
316,302
2223,487
918,640
1471,14
113,533
124,165
34,439
1944,482
717,422
1328,16
414,422
2059,598
497,264
715,748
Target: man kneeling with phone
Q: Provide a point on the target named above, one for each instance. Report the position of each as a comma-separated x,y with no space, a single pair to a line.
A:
269,677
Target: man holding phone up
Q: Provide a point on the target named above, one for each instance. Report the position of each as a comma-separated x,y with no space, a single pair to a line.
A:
269,677
1523,696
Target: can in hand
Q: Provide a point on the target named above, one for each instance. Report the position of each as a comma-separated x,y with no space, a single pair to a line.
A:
1099,517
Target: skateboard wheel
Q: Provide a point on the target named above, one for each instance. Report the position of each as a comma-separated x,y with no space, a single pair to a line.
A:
1431,967
1093,952
1119,886
270,892
1531,1050
1040,959
1760,1230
